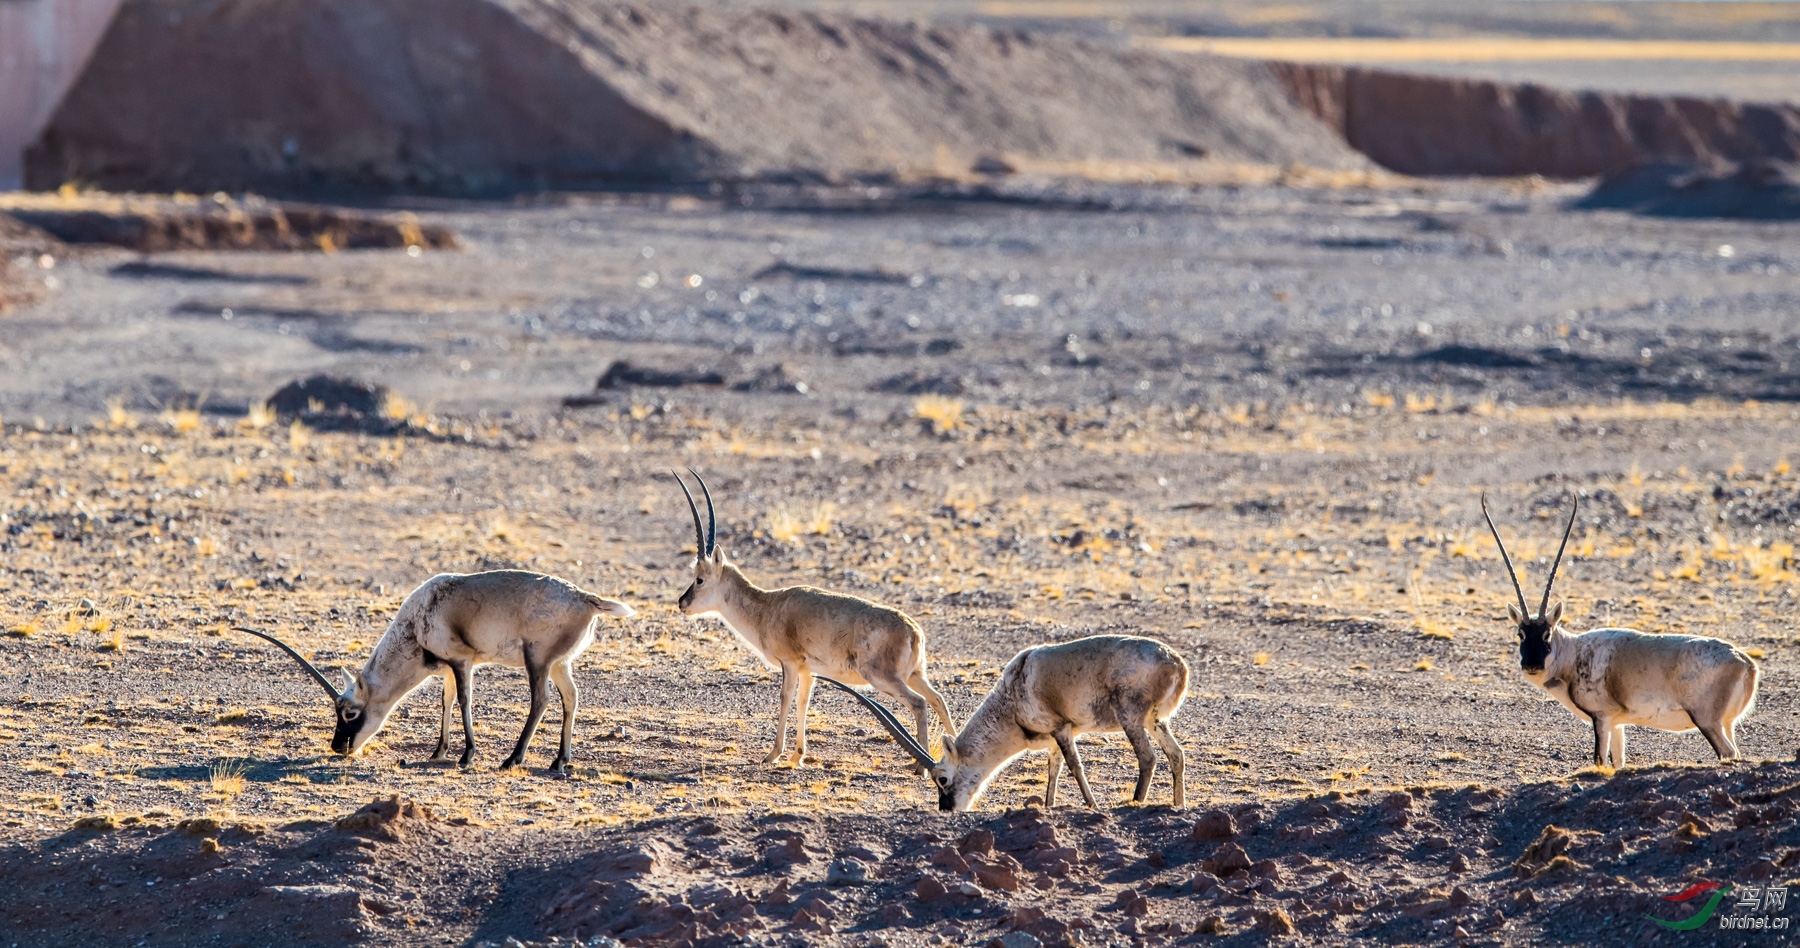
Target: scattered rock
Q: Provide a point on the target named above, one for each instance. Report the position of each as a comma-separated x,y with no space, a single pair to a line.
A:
1274,922
98,824
774,380
388,820
978,842
1016,939
622,374
1227,859
847,872
329,395
1214,826
929,890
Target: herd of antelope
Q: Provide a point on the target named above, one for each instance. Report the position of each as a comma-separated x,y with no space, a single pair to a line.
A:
1046,697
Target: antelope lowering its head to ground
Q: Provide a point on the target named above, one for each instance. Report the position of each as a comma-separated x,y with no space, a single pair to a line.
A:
1048,696
454,622
806,631
1615,677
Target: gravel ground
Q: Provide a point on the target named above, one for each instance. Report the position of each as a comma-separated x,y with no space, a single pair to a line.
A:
1252,422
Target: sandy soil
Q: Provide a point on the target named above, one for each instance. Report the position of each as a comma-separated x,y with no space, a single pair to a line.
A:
1252,422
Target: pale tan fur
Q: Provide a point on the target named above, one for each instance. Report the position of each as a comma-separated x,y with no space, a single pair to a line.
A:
1049,695
806,631
1614,677
454,622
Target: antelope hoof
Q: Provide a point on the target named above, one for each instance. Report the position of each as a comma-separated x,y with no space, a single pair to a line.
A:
773,756
560,766
467,760
512,763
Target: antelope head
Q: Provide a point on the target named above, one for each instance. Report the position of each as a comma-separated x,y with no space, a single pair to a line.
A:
959,781
1535,631
354,725
706,592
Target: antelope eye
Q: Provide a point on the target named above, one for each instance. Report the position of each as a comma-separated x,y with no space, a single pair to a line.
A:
699,582
351,714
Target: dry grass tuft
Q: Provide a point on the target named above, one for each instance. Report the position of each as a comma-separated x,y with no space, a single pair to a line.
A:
227,778
788,527
259,416
945,414
117,417
182,420
299,436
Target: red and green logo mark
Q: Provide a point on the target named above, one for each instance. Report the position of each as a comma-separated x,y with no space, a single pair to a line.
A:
1718,890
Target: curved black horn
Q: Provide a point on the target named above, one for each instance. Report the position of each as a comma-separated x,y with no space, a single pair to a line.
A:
712,522
1559,552
1523,607
699,535
887,720
317,675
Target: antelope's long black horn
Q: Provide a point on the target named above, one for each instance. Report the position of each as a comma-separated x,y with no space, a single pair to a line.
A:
888,721
1523,607
1559,552
699,534
318,676
712,522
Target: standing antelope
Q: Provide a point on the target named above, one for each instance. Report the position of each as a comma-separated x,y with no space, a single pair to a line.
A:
804,630
1615,677
1048,696
454,622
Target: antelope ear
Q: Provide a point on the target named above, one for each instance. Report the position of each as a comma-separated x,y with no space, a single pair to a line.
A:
350,682
718,555
1556,610
1513,613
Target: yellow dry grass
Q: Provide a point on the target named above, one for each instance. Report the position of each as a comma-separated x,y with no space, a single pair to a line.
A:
1472,49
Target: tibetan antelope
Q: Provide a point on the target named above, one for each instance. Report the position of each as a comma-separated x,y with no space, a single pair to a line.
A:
1046,697
449,625
1615,677
806,631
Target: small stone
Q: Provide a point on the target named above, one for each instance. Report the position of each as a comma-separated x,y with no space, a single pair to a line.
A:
847,871
929,890
969,889
1275,922
979,842
1016,940
1213,826
1461,932
1211,925
1459,864
1227,859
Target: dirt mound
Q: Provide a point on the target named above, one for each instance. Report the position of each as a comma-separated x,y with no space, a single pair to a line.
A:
1757,190
1397,865
1435,125
328,395
388,819
481,94
152,224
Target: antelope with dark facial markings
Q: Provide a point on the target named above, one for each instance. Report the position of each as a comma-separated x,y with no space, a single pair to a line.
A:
449,625
807,631
1046,698
1614,677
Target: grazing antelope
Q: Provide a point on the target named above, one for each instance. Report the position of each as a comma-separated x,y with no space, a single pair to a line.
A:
1615,677
1048,696
454,622
806,631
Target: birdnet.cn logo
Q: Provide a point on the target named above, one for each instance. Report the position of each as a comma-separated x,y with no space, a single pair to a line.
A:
1748,907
